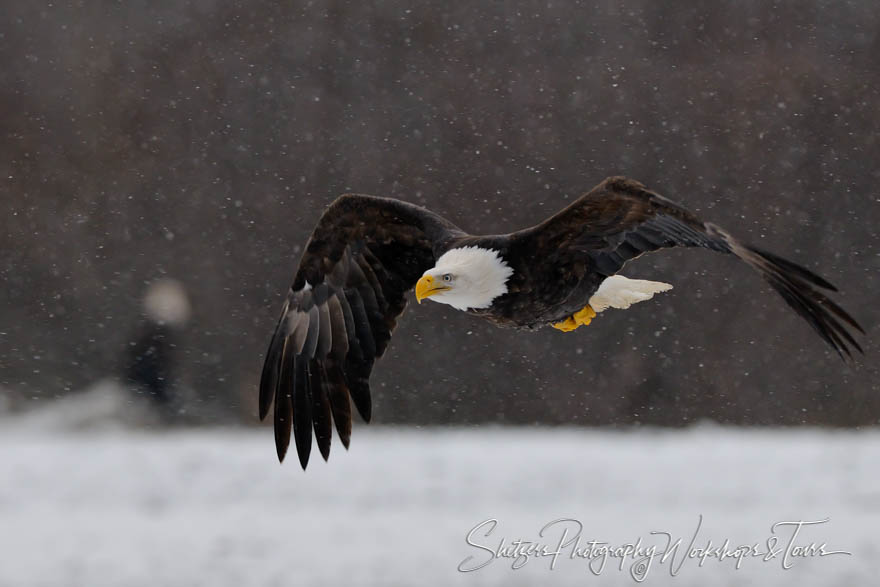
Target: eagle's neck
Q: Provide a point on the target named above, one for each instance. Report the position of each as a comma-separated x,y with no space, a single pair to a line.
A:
482,277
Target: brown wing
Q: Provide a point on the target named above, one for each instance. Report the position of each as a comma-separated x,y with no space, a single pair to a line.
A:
364,254
620,219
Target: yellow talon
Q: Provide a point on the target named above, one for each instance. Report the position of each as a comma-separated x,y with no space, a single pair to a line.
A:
566,325
580,318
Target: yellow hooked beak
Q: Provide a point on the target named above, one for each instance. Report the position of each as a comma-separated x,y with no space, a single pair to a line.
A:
426,287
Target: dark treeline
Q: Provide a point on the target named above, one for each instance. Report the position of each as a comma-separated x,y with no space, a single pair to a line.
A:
201,140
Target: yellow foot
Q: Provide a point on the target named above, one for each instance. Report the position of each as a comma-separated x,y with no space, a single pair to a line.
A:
566,325
585,316
579,318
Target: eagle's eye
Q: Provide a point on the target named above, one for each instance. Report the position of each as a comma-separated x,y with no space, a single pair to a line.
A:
447,277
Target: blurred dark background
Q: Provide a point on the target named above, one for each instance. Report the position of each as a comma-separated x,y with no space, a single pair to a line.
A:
201,140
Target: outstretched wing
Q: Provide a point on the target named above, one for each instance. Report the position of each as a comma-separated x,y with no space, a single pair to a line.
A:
620,219
363,255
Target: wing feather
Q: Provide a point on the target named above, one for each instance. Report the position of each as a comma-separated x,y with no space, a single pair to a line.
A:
336,318
357,378
620,219
361,323
375,287
284,401
325,330
272,365
340,403
348,291
321,414
354,343
302,409
313,329
300,330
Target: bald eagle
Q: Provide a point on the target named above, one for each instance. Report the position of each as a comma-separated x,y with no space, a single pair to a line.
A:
367,252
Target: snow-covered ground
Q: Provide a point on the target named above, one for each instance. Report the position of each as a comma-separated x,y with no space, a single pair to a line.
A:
116,507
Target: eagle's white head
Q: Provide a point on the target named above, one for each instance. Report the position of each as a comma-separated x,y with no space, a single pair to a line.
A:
468,277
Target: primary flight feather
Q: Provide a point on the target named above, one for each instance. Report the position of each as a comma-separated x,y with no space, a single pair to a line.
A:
367,252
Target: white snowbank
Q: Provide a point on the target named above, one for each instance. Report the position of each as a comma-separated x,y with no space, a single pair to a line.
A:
214,508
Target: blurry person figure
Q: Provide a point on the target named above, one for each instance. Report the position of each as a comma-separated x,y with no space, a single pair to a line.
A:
152,352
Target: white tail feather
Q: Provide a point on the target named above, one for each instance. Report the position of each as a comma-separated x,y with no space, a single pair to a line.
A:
620,292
